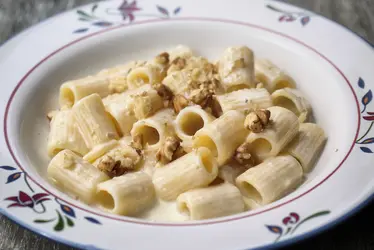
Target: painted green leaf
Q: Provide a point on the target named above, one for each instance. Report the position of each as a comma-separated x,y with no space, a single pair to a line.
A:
69,221
43,221
82,13
94,8
60,224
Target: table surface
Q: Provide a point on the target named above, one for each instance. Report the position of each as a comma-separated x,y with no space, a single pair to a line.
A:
357,15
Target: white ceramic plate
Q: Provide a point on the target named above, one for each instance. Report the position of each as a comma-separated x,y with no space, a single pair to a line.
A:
329,63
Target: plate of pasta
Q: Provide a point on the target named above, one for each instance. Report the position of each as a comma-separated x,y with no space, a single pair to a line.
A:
178,123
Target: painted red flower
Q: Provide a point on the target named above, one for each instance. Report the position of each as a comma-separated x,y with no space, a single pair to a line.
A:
286,18
291,219
127,10
24,200
370,116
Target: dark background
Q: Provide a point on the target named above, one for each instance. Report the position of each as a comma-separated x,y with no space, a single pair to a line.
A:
358,15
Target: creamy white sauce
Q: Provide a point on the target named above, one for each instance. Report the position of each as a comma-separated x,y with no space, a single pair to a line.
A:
163,211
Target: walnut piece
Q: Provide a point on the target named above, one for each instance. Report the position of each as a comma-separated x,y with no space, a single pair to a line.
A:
119,161
242,155
201,93
179,103
216,107
113,167
179,62
163,58
257,120
179,152
163,91
202,96
167,150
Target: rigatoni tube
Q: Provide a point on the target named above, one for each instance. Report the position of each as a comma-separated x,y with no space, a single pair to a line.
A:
128,194
236,68
178,81
271,180
188,121
211,202
73,91
294,100
146,103
147,74
283,127
122,69
195,169
223,135
93,121
64,134
154,130
121,108
245,100
307,145
271,76
67,170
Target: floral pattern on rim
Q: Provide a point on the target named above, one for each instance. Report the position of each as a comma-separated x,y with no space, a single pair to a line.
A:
65,215
369,116
290,16
127,10
292,222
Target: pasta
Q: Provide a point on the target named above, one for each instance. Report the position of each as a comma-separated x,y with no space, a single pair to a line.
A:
73,91
147,74
93,121
65,134
236,68
177,81
293,100
222,136
146,104
67,170
107,81
121,70
210,202
181,137
270,180
271,141
155,129
126,195
188,122
307,145
271,76
121,108
196,169
244,100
